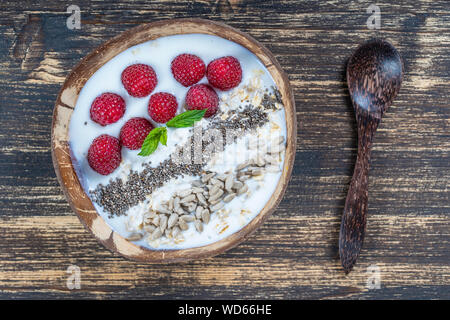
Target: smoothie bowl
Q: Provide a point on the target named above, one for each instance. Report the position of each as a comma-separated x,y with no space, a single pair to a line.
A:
174,140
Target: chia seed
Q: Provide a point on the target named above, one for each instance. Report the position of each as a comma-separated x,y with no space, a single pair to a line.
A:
269,102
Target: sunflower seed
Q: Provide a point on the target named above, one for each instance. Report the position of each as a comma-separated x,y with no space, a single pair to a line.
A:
206,177
187,199
163,209
216,195
188,217
242,190
192,207
183,225
221,185
217,206
254,161
156,234
229,182
175,232
206,216
213,190
167,233
149,228
176,203
237,185
170,204
198,225
256,172
198,212
201,199
213,202
150,215
197,190
243,178
184,193
186,205
173,219
155,221
270,159
229,197
216,182
135,237
163,222
259,161
244,173
242,165
221,177
180,211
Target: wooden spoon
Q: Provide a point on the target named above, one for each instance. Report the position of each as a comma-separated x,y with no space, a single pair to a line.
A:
374,76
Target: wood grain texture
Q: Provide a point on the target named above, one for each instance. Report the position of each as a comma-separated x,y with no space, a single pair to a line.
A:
295,254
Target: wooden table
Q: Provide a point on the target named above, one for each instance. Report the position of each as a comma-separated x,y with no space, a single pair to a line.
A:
294,255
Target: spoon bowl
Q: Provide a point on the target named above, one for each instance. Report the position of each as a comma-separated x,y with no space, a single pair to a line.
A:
374,77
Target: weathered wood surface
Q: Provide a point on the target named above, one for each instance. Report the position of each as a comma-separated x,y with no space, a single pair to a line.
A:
294,255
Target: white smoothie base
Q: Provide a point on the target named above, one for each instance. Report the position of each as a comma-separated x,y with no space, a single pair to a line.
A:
159,53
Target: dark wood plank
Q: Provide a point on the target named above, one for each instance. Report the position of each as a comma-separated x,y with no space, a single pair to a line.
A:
294,255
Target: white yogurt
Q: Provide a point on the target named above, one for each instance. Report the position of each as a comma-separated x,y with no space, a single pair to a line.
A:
159,53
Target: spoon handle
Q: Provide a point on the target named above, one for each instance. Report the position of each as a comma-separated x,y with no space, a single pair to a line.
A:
353,223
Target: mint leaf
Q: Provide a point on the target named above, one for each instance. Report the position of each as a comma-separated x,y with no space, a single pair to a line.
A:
163,137
152,140
186,119
159,134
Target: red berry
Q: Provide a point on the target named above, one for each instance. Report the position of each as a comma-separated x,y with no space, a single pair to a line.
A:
139,80
107,108
134,132
188,69
162,107
224,73
104,154
202,96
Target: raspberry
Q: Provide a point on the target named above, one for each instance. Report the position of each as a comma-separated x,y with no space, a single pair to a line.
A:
134,132
139,80
188,69
107,108
202,96
224,73
104,154
162,107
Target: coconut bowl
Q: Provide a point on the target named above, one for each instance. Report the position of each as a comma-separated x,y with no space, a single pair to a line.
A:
61,154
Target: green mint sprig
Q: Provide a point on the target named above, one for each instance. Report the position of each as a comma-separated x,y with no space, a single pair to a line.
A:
152,140
186,119
159,134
